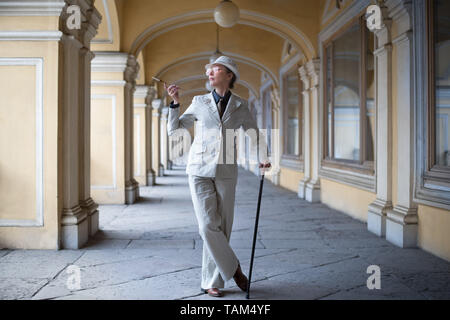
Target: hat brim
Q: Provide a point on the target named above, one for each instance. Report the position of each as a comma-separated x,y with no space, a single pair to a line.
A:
209,65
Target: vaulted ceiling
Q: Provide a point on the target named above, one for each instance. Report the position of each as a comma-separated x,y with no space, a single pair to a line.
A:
174,39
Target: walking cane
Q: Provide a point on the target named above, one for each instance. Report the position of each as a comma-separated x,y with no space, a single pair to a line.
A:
255,232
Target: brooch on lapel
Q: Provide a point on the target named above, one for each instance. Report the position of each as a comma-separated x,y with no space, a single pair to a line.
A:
206,100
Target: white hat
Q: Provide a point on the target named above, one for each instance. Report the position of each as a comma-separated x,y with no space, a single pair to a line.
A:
227,62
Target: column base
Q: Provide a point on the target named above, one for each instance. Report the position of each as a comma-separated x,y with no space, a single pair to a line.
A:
402,226
376,217
312,191
161,170
137,189
94,223
169,164
75,228
151,178
301,193
275,178
131,191
90,207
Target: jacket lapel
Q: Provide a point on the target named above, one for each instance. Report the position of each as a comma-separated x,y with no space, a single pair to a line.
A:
208,100
233,104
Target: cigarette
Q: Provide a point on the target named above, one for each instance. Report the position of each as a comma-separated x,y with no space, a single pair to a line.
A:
159,80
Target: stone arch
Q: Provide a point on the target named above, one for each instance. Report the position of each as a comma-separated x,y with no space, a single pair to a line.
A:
108,36
265,22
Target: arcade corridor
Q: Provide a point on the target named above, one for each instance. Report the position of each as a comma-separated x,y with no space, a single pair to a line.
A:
353,97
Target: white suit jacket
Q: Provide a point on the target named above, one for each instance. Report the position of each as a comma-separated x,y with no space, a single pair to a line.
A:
212,134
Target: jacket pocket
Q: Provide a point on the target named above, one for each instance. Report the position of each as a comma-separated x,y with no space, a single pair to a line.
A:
199,148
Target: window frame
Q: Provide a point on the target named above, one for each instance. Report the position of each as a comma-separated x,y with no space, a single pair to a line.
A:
265,90
430,183
288,160
300,115
362,166
434,173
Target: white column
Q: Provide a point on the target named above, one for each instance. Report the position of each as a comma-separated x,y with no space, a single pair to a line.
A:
306,132
79,212
164,139
312,192
74,222
376,216
276,137
131,185
87,203
402,220
156,136
151,175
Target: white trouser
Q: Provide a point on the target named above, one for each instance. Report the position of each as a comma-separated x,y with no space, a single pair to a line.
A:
213,200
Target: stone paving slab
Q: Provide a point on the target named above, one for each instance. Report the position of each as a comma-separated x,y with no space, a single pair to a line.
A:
154,288
36,264
161,243
391,288
152,250
97,257
171,235
294,243
342,275
18,288
4,252
113,273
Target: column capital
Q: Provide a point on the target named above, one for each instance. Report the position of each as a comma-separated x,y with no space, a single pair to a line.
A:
90,18
109,61
145,92
303,73
383,34
150,96
141,91
275,97
399,8
313,70
131,70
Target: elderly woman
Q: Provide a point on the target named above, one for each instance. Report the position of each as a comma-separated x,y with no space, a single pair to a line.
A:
212,175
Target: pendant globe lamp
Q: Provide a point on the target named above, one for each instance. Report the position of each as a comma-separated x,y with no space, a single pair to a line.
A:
226,14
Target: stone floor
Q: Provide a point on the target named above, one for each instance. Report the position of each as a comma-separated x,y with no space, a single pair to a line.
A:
151,250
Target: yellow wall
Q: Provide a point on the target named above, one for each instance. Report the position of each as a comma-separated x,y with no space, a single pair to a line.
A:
103,33
349,200
18,157
433,231
103,151
290,178
139,144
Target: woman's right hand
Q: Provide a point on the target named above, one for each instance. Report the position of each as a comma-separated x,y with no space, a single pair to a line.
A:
172,91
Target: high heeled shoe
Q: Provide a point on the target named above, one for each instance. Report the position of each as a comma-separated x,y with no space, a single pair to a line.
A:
213,292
